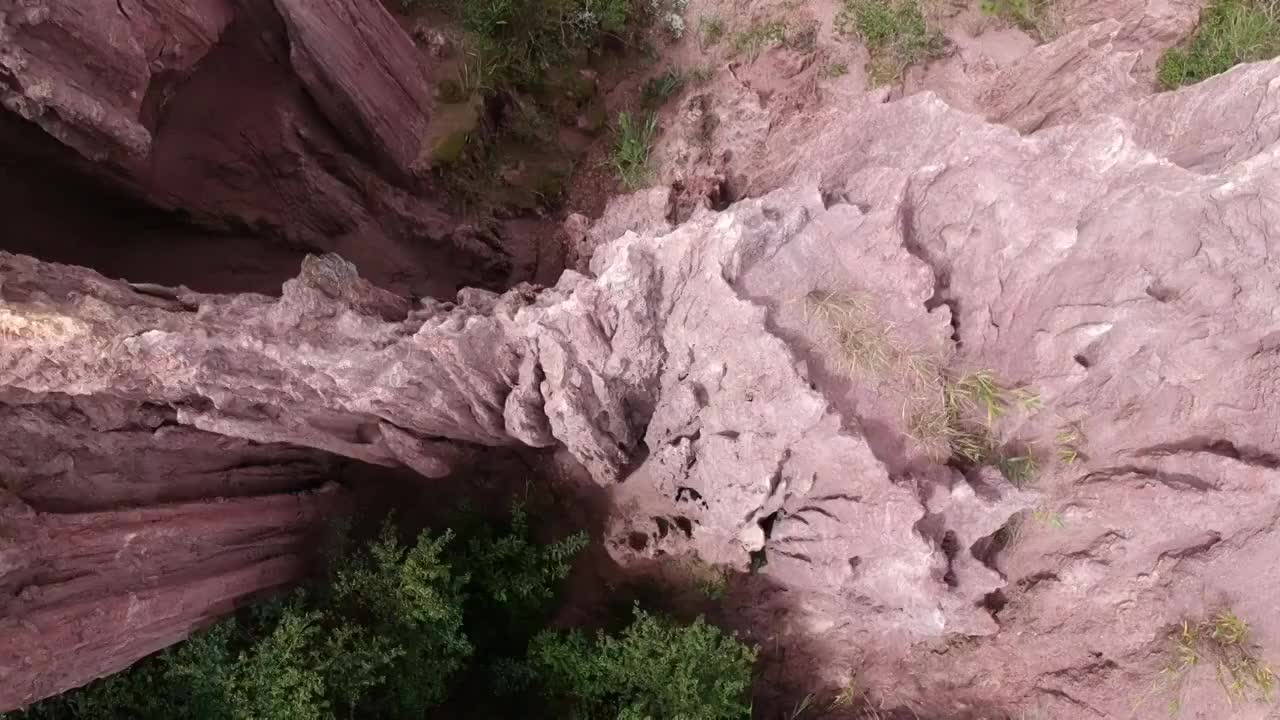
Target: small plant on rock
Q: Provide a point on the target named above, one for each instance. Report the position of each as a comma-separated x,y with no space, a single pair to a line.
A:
659,88
631,152
752,41
1224,643
1032,16
710,30
861,342
1069,440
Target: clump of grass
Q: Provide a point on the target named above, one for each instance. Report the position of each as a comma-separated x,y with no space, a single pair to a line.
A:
861,342
1230,32
835,70
752,41
631,153
962,423
979,391
1069,440
712,582
710,30
1018,469
1222,641
659,88
1033,16
895,32
1048,518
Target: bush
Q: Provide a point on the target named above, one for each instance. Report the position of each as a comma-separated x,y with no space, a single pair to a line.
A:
895,32
656,669
399,632
1230,32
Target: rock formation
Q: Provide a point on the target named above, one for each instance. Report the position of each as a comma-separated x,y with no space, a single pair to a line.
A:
1112,266
122,531
299,121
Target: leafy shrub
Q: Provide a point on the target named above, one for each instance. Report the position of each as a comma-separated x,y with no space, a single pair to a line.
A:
1230,32
655,669
895,32
522,39
631,152
385,637
399,632
1032,16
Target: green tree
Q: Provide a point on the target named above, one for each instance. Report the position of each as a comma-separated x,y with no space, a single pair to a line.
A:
656,670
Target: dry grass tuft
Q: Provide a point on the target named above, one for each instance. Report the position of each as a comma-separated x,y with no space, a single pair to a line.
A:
860,341
1224,642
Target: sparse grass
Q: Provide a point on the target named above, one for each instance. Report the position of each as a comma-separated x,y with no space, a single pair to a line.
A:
835,70
801,707
710,30
849,695
962,422
1033,16
1069,441
861,342
1230,32
631,152
712,582
752,41
1049,518
1222,641
1019,469
895,32
659,88
980,392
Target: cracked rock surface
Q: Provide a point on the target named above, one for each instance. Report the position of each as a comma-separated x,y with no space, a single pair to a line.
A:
1116,265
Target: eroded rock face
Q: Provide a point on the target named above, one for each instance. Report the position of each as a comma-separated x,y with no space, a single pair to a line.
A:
121,532
301,121
1110,264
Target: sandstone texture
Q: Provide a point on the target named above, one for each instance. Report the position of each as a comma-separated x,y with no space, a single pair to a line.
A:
122,531
1101,253
301,122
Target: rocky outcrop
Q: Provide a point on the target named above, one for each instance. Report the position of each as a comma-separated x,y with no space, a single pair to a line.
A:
297,121
690,374
121,532
760,386
332,46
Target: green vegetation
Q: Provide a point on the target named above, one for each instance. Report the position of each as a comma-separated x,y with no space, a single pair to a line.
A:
655,669
525,38
835,70
895,33
443,627
1048,518
659,88
710,30
631,151
1230,32
1223,642
711,581
1032,16
522,62
755,39
860,341
963,423
1069,441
